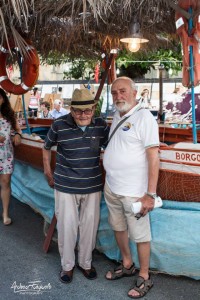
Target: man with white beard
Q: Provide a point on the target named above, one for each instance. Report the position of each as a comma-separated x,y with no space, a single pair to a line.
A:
132,164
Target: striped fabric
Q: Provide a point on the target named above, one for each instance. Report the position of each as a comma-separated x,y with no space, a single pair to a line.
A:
78,153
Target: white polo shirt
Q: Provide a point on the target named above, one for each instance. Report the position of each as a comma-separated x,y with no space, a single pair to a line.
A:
125,159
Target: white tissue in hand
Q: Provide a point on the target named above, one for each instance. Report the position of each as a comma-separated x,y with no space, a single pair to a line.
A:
136,207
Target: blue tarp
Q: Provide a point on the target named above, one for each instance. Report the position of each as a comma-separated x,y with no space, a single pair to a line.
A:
30,186
175,247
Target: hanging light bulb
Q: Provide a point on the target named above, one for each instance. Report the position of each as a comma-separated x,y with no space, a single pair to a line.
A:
135,38
133,46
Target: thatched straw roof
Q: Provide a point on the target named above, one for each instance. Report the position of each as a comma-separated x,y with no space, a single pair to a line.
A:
85,27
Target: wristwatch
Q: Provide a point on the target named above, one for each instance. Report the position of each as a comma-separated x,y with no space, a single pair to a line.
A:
152,195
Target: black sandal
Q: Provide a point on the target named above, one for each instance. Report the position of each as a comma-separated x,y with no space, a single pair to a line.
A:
141,286
121,272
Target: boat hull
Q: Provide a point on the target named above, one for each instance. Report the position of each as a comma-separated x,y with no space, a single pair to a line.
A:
179,175
30,152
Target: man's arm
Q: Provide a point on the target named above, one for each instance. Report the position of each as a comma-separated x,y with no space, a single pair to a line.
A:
47,167
153,171
153,165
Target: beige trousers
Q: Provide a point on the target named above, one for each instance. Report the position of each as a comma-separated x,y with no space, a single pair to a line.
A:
77,214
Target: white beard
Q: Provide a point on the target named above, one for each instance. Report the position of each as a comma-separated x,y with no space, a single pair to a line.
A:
125,108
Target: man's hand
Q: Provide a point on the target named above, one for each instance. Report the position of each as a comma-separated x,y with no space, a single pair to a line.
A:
147,204
47,167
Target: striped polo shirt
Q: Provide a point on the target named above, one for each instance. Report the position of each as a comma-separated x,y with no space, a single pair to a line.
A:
77,168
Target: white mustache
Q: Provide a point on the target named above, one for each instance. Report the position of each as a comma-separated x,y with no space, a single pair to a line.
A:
120,102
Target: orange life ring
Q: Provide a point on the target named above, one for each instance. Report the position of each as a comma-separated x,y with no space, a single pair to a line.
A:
30,70
192,40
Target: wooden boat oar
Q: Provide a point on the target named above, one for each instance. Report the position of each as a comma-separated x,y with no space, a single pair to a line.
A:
50,233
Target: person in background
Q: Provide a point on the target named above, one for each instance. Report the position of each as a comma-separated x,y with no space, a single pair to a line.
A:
45,107
58,110
77,181
10,133
178,96
131,163
144,99
34,102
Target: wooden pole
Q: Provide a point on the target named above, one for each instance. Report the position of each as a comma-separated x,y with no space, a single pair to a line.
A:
161,114
191,58
186,14
50,233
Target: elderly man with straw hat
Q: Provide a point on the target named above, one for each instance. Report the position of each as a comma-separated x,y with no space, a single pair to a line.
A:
77,181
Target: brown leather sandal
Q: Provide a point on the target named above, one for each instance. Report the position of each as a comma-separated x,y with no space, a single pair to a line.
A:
121,272
141,286
89,274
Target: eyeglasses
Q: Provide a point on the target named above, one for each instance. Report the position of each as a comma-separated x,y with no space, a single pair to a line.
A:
79,112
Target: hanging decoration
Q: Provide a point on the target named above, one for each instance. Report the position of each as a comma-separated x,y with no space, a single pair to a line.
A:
112,68
96,73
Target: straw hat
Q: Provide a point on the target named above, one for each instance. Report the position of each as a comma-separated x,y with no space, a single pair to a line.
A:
82,98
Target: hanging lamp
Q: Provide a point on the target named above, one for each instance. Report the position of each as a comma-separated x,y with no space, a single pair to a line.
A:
135,38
